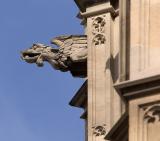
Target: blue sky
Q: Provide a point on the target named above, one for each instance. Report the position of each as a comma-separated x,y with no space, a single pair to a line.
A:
34,101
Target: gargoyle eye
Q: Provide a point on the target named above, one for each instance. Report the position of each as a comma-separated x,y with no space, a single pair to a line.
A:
54,50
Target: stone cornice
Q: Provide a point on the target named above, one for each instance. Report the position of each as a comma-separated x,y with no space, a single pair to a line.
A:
109,6
138,88
100,11
83,4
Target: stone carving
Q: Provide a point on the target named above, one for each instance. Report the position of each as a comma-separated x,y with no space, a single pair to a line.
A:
152,114
99,130
99,39
72,49
98,26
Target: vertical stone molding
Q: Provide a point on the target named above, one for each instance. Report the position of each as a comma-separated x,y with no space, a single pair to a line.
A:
104,106
99,77
124,13
144,38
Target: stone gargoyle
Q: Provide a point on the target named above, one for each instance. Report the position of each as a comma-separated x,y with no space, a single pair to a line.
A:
70,56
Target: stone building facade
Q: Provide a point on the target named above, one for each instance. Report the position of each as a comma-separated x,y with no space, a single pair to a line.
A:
121,95
119,58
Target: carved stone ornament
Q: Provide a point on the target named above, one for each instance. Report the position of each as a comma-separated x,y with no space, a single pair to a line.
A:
152,114
98,30
99,39
72,52
99,130
98,25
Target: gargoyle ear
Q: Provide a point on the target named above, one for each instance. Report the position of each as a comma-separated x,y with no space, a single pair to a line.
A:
35,44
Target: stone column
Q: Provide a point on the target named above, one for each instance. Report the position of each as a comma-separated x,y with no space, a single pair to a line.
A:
104,107
124,39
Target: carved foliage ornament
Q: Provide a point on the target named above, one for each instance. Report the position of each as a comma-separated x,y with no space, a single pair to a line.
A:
99,39
98,25
99,130
98,31
152,114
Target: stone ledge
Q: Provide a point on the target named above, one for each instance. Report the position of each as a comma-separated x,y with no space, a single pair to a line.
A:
110,9
138,88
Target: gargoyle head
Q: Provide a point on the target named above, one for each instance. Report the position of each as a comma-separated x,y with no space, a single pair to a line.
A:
36,54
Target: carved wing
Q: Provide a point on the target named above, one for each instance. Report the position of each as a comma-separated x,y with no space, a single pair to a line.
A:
74,48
